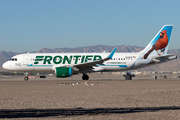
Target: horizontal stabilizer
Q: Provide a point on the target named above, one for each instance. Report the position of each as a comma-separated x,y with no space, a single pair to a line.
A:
165,58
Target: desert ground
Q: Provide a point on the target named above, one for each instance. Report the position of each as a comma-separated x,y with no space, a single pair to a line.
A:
104,96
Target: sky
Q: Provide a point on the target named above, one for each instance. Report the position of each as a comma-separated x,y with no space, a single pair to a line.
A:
29,25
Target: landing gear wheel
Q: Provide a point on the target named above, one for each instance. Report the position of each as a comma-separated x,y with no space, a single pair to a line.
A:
85,77
26,78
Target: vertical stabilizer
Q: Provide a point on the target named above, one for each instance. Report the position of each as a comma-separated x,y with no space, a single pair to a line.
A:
159,44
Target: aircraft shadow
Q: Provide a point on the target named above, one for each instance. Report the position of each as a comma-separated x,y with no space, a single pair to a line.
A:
30,113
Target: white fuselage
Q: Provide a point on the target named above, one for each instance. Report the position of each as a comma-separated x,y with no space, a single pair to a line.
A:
45,62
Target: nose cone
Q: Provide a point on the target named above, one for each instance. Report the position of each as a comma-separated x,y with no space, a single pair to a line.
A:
4,65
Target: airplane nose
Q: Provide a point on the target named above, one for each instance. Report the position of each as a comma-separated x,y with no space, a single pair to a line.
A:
5,66
8,66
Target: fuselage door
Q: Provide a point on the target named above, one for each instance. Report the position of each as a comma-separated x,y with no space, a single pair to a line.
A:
25,59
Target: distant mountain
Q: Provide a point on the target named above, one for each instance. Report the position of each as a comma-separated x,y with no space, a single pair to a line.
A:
4,56
169,66
97,48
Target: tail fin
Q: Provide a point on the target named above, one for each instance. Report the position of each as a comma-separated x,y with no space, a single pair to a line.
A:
159,44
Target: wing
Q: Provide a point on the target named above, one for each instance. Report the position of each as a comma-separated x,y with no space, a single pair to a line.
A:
88,65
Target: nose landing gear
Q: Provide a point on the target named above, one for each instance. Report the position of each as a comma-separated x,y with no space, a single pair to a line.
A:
26,76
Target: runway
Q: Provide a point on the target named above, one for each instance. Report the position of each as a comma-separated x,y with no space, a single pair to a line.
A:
98,98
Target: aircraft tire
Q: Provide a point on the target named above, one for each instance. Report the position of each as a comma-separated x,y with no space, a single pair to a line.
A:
85,77
26,78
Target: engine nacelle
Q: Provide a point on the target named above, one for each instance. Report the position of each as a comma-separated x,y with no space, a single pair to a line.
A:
62,72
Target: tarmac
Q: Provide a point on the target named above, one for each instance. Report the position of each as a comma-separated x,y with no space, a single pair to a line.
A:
102,97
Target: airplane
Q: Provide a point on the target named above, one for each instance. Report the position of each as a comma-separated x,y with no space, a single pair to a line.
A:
68,64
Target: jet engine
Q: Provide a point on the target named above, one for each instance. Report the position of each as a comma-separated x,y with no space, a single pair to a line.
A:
62,72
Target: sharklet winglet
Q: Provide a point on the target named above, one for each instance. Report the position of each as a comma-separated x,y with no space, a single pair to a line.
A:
112,53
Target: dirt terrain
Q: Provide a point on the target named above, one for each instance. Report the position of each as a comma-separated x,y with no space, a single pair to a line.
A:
108,97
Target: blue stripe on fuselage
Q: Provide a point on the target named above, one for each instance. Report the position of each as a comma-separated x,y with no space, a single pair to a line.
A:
114,65
39,65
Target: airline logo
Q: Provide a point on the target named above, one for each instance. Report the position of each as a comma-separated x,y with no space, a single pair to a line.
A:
66,59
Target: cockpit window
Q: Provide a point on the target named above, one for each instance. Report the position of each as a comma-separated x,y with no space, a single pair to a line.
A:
13,59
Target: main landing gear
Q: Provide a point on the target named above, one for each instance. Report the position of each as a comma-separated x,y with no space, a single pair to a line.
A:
26,76
85,77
